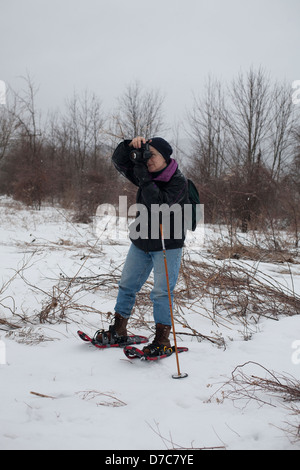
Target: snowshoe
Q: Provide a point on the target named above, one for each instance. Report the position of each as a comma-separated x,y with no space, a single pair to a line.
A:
152,352
110,339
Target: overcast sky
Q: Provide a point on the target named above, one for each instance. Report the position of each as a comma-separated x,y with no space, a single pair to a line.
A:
170,45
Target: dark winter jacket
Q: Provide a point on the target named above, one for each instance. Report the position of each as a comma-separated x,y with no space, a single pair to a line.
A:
168,187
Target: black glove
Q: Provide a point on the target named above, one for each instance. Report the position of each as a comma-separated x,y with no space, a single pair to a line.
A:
141,173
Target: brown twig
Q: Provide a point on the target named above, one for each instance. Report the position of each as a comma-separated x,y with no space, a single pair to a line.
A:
42,395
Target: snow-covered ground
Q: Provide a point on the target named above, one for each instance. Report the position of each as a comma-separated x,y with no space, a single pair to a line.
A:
85,398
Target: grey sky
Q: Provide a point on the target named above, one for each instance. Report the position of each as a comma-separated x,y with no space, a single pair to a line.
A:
172,45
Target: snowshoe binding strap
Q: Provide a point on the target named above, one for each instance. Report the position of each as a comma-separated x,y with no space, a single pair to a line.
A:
104,337
108,337
155,349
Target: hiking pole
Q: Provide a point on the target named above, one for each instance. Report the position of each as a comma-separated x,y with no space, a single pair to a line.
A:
179,375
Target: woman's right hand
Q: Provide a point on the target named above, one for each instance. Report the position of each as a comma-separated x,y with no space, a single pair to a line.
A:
137,142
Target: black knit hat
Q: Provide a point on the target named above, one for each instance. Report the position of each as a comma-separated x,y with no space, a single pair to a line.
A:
162,146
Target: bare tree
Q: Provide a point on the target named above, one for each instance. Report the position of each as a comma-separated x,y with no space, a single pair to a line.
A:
250,125
8,125
208,132
281,141
248,117
240,141
81,130
78,136
29,179
139,113
28,119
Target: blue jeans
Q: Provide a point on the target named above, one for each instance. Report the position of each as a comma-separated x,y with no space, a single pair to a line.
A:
137,268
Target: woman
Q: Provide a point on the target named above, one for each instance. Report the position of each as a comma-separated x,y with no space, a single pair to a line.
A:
159,182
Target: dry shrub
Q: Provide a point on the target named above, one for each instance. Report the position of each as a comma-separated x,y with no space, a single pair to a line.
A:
29,335
109,398
252,252
235,291
228,294
248,386
243,387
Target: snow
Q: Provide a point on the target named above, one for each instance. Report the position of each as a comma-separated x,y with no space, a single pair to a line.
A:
85,398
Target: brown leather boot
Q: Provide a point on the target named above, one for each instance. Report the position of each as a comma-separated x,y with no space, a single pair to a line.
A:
161,341
120,325
116,333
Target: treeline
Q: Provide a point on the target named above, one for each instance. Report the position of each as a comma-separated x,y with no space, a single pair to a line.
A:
242,149
246,141
65,158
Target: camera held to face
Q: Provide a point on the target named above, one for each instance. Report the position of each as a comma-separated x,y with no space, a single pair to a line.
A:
141,155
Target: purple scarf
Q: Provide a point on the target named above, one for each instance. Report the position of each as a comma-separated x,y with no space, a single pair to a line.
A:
168,172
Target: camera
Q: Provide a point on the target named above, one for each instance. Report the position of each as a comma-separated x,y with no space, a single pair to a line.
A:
141,155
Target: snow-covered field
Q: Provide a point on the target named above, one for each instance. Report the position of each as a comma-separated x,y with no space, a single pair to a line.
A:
84,398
